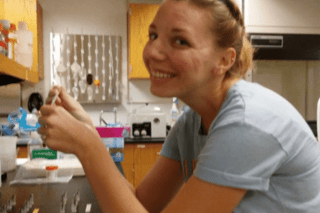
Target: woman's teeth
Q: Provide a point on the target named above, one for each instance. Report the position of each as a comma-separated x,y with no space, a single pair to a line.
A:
162,75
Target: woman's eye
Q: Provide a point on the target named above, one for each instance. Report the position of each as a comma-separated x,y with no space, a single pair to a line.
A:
181,42
152,36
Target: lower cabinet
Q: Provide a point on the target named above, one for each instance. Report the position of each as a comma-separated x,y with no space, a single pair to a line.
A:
138,160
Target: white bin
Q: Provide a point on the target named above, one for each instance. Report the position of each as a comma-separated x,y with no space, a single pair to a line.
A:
8,155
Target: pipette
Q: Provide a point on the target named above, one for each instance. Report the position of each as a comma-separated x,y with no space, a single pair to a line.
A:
55,97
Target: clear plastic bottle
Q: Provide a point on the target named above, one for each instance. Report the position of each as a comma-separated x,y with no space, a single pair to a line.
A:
24,46
34,144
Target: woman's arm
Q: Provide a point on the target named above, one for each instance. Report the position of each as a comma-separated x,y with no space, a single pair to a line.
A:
160,184
65,133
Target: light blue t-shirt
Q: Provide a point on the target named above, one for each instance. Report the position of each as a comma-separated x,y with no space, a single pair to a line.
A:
258,142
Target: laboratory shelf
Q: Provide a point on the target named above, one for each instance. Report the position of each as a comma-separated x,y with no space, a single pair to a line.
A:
13,72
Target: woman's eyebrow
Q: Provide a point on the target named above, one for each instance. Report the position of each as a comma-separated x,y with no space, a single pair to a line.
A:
152,26
179,30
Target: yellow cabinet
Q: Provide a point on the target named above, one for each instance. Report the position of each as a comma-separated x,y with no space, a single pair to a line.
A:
139,18
138,160
29,11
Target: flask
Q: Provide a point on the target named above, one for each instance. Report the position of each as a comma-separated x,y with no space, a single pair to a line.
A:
24,46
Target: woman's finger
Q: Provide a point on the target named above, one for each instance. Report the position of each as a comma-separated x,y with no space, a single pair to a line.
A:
46,110
53,91
42,130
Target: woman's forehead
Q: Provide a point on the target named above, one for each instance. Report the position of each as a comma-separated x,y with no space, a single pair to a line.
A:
182,15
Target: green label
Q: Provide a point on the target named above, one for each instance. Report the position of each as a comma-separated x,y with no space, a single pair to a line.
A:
44,153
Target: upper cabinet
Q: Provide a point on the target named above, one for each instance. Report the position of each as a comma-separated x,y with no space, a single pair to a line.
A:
282,16
140,17
28,11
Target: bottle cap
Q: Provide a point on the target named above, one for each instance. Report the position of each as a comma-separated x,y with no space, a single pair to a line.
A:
2,44
13,27
5,32
51,168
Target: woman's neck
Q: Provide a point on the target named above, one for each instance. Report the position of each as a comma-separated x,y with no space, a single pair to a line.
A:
209,103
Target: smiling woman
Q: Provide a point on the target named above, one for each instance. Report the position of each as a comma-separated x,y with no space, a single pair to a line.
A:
238,147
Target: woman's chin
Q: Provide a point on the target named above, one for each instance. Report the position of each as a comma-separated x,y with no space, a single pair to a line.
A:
162,93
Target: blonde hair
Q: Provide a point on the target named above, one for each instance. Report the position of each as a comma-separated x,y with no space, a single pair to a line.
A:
229,30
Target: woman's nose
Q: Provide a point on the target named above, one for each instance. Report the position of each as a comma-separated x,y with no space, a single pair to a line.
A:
155,50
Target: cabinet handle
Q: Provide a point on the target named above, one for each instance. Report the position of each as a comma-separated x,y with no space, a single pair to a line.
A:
141,146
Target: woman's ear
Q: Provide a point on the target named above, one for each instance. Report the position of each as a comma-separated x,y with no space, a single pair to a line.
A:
227,59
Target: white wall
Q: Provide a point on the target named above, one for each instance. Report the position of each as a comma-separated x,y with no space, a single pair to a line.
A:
89,16
297,81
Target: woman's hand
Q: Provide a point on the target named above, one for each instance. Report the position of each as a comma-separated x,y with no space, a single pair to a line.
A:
69,104
61,131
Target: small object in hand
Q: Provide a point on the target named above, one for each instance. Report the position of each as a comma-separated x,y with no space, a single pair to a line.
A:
55,97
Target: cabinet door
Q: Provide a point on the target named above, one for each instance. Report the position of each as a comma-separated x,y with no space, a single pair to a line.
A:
145,155
282,16
140,17
127,163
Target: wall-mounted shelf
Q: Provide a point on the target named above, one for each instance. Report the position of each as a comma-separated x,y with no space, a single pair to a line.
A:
12,72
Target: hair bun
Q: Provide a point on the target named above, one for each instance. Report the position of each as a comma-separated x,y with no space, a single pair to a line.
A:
233,8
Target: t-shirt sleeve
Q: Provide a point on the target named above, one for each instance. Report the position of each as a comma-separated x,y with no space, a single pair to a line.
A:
240,156
170,148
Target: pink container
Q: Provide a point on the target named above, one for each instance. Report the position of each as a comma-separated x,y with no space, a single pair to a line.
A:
113,132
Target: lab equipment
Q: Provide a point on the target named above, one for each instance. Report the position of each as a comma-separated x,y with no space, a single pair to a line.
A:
61,68
63,203
39,171
27,122
103,69
148,122
24,47
96,78
99,57
68,64
8,154
75,202
52,172
55,97
9,206
34,144
83,71
113,139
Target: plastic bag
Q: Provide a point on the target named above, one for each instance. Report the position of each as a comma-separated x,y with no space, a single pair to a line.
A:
34,172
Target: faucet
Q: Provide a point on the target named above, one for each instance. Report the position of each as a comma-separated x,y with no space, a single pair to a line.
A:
102,120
